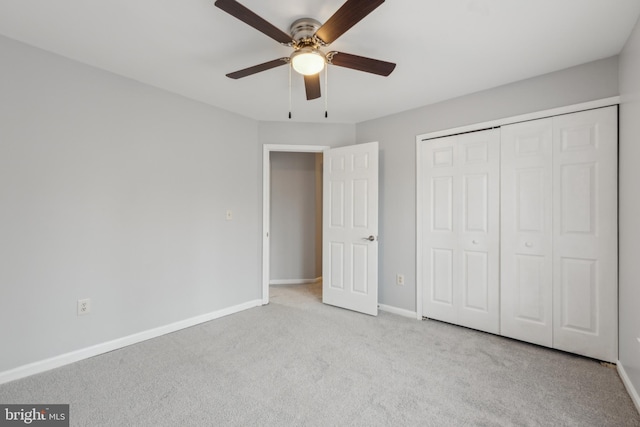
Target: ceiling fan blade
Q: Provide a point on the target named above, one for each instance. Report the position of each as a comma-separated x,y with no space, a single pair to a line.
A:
346,17
312,86
360,63
237,10
258,68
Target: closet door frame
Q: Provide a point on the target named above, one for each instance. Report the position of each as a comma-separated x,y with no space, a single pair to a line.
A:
605,102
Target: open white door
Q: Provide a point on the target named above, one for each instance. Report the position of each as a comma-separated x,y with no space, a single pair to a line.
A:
350,228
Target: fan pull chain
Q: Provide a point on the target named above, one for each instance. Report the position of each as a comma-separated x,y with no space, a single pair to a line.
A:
326,91
290,90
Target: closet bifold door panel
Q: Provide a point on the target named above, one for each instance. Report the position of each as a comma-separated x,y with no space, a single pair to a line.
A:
460,226
585,233
526,291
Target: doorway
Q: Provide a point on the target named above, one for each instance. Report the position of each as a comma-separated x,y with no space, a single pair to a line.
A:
266,206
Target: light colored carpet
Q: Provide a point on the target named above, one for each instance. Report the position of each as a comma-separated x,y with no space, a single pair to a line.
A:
299,362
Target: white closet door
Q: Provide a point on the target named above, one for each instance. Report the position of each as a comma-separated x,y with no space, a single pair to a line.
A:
461,229
585,233
526,232
479,238
439,239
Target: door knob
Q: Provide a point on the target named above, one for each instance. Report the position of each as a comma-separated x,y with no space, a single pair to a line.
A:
475,242
370,238
528,244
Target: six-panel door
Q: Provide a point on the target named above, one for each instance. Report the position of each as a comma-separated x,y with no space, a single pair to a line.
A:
350,228
460,229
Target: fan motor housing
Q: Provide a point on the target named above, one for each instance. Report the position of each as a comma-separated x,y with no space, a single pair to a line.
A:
302,30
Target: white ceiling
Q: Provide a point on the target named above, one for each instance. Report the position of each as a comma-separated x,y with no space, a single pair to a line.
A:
443,48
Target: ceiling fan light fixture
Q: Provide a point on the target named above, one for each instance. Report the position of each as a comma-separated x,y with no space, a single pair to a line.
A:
307,61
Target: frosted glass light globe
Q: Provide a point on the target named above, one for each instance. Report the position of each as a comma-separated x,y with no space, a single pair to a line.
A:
307,61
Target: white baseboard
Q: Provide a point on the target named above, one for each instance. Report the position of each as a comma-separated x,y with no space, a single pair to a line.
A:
85,353
627,383
399,311
294,281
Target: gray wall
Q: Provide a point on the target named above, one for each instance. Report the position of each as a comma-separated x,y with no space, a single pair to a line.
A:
397,134
116,191
292,133
293,217
630,208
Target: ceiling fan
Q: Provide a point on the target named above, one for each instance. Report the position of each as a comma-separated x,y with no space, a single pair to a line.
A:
307,37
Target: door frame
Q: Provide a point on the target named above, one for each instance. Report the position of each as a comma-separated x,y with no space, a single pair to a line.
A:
266,203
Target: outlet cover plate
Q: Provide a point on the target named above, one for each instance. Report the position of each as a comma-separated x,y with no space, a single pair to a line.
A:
84,306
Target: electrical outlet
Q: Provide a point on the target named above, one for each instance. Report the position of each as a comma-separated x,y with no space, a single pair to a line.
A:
400,279
84,306
229,215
